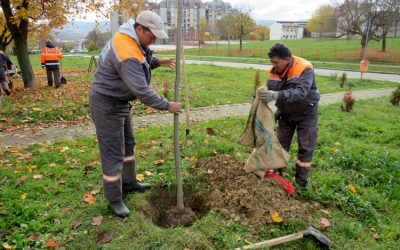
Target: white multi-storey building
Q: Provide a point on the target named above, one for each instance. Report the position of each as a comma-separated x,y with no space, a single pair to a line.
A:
283,30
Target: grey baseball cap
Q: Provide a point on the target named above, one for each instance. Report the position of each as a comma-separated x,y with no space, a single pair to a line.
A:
152,21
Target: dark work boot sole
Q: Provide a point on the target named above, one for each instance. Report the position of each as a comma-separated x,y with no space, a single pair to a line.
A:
135,187
7,92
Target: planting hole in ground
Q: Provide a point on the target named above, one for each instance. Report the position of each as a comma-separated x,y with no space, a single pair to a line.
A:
227,189
161,208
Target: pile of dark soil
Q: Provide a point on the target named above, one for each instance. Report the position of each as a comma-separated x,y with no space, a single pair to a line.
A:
246,198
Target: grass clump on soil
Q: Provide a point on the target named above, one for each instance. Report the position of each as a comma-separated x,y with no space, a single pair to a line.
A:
42,188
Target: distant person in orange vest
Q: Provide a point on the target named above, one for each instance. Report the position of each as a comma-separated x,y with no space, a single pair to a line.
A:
291,83
50,58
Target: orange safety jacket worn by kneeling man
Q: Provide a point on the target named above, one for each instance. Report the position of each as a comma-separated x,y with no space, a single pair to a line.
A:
50,57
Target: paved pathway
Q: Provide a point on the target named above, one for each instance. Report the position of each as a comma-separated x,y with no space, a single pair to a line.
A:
323,72
53,134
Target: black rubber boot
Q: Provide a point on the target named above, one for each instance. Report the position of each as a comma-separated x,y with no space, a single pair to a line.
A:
8,91
119,209
301,176
135,187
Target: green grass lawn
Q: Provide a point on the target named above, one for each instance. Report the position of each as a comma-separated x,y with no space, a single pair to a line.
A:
330,50
316,64
319,51
68,62
42,187
209,85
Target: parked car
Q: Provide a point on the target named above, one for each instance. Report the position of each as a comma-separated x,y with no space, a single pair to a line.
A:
73,51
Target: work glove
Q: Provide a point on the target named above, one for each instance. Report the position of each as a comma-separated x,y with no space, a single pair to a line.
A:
268,96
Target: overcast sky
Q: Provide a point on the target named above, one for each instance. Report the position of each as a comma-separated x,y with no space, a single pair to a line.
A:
281,10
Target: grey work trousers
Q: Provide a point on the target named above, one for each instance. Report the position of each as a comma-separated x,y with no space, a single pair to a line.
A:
116,142
57,78
307,134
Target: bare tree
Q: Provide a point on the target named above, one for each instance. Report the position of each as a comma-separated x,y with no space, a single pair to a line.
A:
359,18
387,20
243,23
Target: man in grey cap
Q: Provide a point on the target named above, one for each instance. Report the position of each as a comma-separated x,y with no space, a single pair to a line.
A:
123,75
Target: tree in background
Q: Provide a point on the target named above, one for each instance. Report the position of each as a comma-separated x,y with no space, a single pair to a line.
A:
67,45
25,16
323,21
242,23
223,27
261,32
365,18
96,39
387,20
203,30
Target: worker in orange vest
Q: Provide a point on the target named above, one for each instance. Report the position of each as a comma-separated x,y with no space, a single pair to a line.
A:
291,83
50,58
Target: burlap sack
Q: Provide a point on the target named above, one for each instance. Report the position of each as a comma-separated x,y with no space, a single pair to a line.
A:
259,134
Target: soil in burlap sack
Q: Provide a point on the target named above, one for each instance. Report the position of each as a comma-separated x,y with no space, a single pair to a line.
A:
246,198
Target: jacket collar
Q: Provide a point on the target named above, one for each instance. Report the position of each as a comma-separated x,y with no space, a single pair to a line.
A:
128,29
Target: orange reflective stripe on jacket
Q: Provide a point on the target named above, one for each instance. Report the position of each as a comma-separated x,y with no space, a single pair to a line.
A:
295,71
126,47
50,54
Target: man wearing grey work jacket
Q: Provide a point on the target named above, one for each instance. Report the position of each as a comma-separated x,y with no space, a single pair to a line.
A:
123,75
291,83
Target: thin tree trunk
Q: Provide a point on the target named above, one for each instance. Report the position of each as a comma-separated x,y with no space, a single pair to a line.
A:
179,185
363,44
384,43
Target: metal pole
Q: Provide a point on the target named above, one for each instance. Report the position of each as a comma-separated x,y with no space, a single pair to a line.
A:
187,105
179,191
366,39
229,33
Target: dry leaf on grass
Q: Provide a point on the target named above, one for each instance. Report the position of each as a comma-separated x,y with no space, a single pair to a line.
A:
159,162
95,191
210,131
37,176
96,221
324,223
352,188
51,244
275,216
76,224
140,177
89,198
105,237
7,246
34,237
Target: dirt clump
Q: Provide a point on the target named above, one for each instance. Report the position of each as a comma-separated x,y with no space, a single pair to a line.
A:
178,217
160,208
246,198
